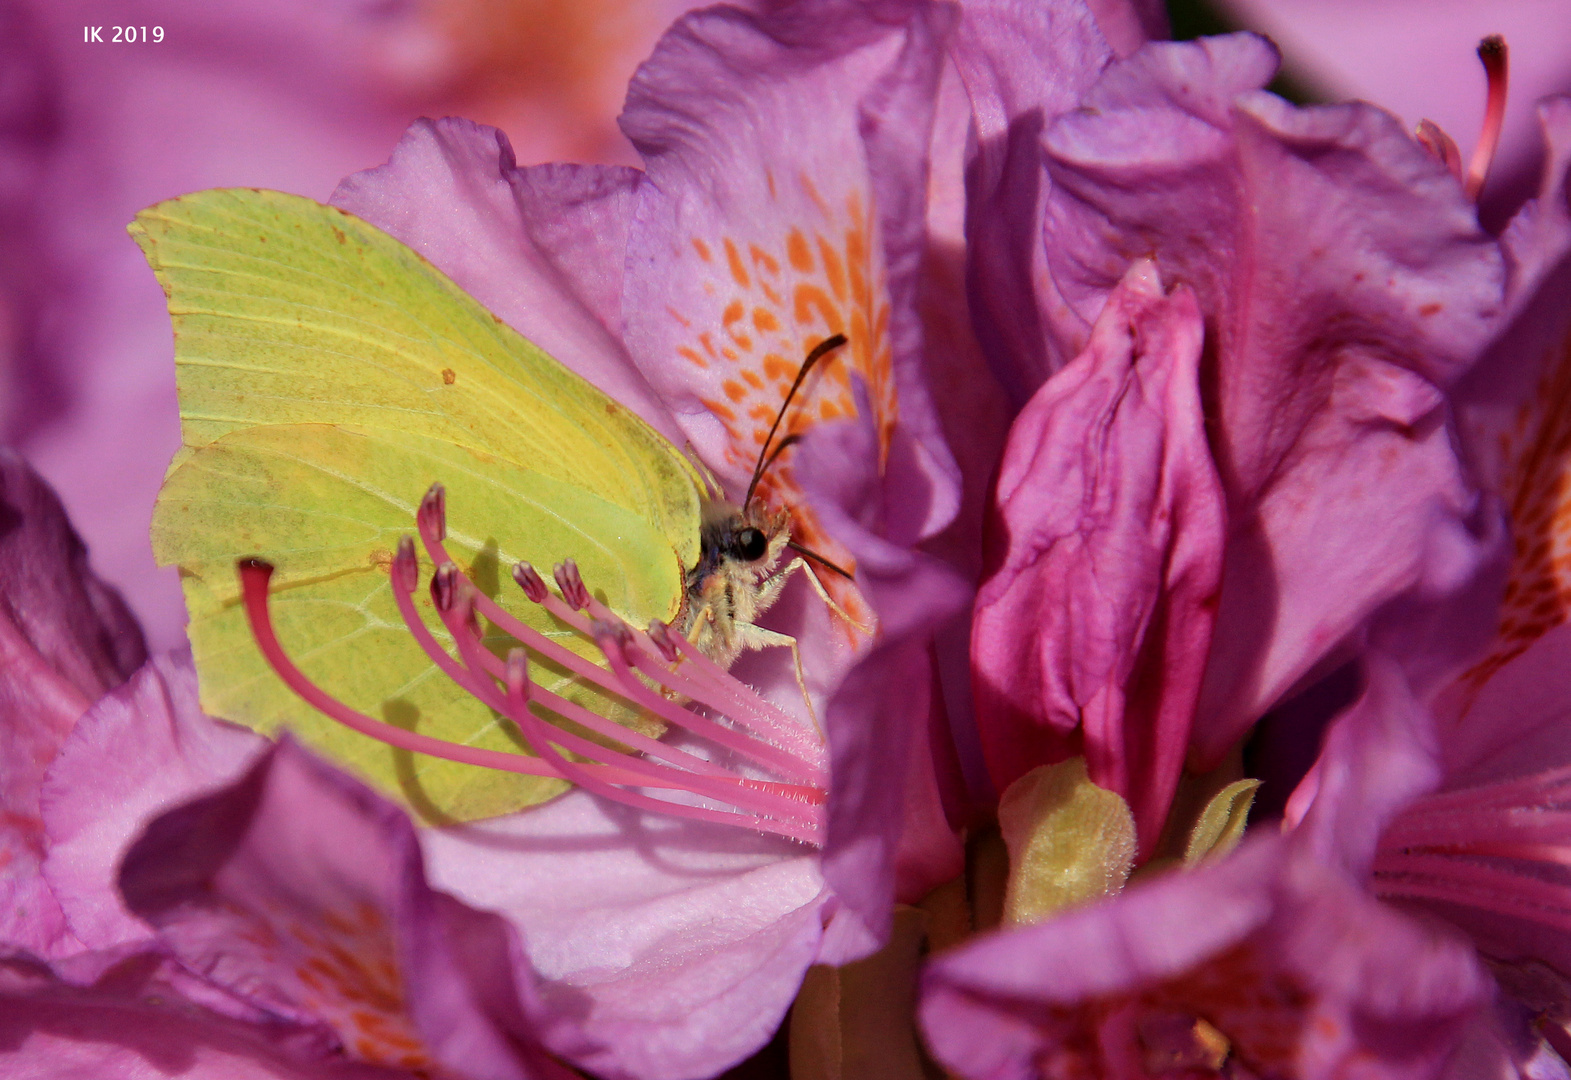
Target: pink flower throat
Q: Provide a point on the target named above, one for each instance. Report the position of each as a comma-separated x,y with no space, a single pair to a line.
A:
749,729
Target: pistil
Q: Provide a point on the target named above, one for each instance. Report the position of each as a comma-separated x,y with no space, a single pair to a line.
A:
1492,52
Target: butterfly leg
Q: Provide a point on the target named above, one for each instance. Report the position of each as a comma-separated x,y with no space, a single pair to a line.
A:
757,637
823,594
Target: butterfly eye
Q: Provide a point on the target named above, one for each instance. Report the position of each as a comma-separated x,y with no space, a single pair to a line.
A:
751,544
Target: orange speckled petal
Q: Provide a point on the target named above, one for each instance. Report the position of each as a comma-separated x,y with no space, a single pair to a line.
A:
303,893
779,214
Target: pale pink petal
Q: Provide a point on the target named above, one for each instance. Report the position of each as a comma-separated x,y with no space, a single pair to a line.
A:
676,945
301,891
140,751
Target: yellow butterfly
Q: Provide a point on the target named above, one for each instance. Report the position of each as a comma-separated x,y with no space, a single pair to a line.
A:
328,377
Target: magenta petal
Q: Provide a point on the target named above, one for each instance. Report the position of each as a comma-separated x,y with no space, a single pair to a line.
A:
128,1023
65,638
538,247
140,751
676,945
1023,66
1375,505
883,809
1091,634
1298,969
1348,285
1129,24
1379,756
1539,234
302,892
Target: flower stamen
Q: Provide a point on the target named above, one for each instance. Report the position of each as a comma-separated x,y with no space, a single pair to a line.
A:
1492,52
1485,847
752,729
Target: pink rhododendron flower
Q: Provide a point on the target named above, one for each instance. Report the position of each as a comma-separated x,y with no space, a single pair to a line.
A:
784,203
1266,962
1445,785
1344,284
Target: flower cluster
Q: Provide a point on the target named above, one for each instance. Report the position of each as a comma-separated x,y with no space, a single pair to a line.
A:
1180,689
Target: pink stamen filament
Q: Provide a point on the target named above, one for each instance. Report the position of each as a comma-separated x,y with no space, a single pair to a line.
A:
1476,847
1450,880
800,757
1492,52
254,576
730,788
560,705
787,809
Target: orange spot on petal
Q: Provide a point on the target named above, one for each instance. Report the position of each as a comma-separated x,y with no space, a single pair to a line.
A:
734,260
798,253
834,269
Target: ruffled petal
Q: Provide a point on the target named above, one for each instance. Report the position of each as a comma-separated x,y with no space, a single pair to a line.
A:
65,638
302,892
1348,283
1024,65
1265,959
140,751
1091,635
785,203
676,945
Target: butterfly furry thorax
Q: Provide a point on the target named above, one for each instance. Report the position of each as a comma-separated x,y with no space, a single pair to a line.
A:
737,578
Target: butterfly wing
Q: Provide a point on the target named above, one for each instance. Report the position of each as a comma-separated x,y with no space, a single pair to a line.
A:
328,375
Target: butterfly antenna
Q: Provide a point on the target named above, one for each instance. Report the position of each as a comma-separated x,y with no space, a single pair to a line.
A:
828,345
809,553
781,447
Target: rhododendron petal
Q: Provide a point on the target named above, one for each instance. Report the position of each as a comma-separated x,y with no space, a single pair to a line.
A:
127,1025
138,752
537,246
300,890
872,720
1129,24
1379,755
1093,629
1516,723
1023,66
65,638
676,944
1327,249
782,207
